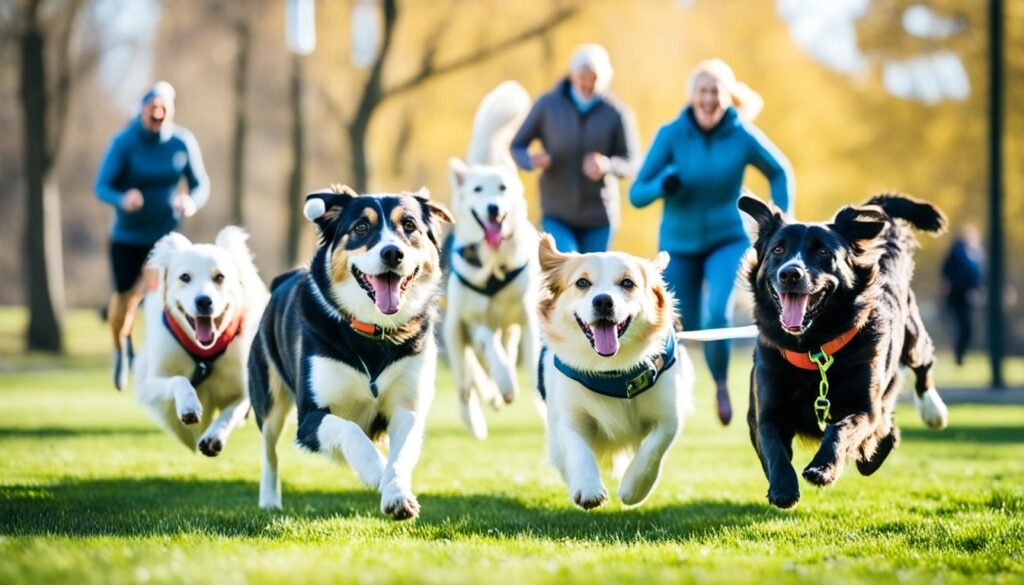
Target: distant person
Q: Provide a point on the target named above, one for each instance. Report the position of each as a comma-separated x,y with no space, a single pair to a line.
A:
589,142
140,176
696,166
961,275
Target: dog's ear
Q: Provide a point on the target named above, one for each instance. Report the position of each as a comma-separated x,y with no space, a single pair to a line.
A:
435,215
324,207
550,257
660,262
767,217
457,171
165,248
233,239
859,225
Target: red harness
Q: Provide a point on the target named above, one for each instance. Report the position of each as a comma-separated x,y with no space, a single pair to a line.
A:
193,349
803,361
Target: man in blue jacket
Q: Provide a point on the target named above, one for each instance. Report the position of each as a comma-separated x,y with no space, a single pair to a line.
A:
140,176
696,167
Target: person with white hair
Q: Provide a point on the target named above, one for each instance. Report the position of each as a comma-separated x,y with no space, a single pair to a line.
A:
696,166
140,177
588,143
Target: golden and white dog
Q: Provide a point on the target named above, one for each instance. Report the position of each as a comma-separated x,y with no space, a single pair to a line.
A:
200,322
616,384
491,291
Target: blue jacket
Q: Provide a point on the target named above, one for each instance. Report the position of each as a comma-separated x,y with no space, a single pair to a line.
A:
702,214
153,163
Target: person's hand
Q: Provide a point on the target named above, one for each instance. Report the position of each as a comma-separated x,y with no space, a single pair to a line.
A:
671,184
184,204
595,166
131,200
540,160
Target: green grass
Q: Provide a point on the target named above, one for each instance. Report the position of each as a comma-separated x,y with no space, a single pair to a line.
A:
92,491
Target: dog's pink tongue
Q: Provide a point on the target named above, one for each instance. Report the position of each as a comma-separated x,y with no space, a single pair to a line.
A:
793,308
606,338
492,234
385,292
204,330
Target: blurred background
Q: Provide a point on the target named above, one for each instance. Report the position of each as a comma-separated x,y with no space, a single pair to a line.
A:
287,96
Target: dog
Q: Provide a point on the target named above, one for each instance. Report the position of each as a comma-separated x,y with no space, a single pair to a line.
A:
836,318
616,384
492,286
200,322
349,342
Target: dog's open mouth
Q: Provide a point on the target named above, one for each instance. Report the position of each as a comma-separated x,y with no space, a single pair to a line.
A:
204,327
797,310
492,230
385,289
603,334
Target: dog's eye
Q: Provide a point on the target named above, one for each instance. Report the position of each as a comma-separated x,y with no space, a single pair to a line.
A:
362,227
823,252
219,279
185,277
583,283
409,225
778,249
502,187
627,284
478,189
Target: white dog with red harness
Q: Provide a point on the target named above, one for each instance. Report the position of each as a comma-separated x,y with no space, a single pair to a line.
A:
200,322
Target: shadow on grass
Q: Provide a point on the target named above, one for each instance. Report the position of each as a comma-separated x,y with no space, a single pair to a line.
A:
72,432
148,507
972,434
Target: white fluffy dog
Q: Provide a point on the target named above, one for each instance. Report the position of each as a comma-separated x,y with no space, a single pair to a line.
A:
200,322
615,382
491,296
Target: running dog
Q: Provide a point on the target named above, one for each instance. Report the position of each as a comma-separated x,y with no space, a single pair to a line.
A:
616,384
349,342
837,318
491,295
200,322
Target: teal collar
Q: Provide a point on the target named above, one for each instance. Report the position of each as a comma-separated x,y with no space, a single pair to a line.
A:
629,383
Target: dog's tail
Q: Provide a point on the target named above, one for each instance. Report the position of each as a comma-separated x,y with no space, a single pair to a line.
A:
497,119
920,214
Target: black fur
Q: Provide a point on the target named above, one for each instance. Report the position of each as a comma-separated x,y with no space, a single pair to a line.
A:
861,264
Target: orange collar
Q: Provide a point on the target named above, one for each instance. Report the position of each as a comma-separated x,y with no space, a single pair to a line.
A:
193,349
367,329
803,360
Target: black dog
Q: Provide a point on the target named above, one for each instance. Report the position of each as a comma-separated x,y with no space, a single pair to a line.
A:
837,318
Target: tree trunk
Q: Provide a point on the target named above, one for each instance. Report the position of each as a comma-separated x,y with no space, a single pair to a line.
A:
243,36
43,263
294,198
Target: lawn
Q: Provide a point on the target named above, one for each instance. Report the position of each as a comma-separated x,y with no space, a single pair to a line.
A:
92,492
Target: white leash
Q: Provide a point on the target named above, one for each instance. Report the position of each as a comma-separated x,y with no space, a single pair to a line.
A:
745,332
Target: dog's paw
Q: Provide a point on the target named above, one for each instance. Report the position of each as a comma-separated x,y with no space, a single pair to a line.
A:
271,504
399,504
211,446
589,498
821,475
191,416
932,409
783,498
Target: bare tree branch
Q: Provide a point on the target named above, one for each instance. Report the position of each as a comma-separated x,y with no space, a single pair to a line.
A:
429,69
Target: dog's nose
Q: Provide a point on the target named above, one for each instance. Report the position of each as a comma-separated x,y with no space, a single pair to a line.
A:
791,274
204,305
603,305
392,255
492,211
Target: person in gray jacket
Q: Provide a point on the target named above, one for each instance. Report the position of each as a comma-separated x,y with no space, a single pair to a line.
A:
589,142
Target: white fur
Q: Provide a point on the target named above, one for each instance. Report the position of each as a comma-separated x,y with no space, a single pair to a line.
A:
932,409
163,369
485,335
586,429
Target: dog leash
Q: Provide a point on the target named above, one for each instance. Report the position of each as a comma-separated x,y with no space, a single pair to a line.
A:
822,407
722,333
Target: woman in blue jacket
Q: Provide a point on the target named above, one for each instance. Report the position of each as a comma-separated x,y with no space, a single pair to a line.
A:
140,177
696,166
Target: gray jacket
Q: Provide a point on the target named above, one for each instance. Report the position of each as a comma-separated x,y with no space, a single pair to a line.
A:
566,194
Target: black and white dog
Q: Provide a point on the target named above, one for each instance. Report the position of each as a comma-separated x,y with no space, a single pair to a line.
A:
350,342
837,318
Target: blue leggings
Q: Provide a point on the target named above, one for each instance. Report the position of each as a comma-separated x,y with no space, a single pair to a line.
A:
574,239
686,276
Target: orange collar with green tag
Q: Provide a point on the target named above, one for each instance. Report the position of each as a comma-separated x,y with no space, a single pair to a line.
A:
821,361
804,361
